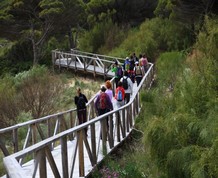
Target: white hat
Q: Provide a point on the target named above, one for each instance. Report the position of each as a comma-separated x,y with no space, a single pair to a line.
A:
136,62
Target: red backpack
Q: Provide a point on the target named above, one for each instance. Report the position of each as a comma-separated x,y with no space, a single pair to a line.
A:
103,101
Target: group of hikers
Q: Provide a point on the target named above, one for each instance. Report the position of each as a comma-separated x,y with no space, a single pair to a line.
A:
133,69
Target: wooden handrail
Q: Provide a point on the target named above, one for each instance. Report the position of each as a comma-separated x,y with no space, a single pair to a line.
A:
42,149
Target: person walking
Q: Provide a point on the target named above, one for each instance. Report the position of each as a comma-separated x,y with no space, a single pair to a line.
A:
103,102
139,72
127,85
109,89
143,62
120,95
80,101
117,69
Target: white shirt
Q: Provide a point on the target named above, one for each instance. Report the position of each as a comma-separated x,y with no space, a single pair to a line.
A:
130,84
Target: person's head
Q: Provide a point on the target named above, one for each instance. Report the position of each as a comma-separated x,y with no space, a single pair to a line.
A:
108,84
136,63
103,89
126,73
120,84
116,63
78,91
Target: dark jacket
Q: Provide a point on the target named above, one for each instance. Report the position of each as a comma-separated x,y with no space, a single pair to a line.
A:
76,99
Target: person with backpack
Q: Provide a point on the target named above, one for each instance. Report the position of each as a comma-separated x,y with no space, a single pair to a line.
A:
120,95
103,102
131,69
139,72
127,85
126,64
80,101
117,69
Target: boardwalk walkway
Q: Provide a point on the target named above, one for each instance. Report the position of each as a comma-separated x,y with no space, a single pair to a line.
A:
59,148
71,145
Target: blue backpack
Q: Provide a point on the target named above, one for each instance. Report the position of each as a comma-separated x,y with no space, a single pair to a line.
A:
119,95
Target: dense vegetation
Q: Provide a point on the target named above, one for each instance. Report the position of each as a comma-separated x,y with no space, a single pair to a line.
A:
179,116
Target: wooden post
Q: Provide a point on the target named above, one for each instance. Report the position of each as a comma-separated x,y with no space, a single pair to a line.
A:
42,164
15,140
130,119
111,126
93,142
124,122
104,136
53,59
127,118
34,138
118,125
94,73
64,156
71,125
81,153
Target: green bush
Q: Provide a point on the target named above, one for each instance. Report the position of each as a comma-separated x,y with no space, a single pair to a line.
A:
102,38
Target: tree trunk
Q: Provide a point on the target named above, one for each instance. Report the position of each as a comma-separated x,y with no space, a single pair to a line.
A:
70,37
35,53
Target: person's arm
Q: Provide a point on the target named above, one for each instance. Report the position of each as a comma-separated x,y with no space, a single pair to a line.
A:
76,100
96,102
115,96
84,96
123,93
109,103
113,69
143,71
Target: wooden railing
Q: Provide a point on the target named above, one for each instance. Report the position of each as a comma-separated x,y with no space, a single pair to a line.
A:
98,56
45,133
23,135
83,61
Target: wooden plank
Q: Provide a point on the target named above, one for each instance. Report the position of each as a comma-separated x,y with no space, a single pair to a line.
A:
13,168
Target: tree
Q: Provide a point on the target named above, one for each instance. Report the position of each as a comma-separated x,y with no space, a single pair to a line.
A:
134,12
71,20
32,20
99,11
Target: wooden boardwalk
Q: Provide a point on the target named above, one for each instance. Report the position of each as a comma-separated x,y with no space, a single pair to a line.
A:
71,145
61,148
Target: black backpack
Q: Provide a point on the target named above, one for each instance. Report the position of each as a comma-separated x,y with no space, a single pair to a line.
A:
125,83
81,104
